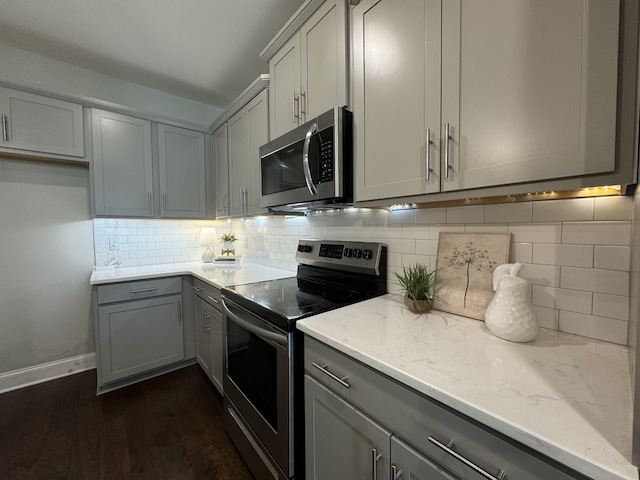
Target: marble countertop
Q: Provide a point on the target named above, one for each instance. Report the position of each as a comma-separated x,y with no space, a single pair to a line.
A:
565,396
218,274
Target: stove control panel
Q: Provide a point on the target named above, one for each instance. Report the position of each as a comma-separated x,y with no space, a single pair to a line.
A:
361,257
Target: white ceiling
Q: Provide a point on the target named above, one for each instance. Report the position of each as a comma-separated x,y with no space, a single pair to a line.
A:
204,50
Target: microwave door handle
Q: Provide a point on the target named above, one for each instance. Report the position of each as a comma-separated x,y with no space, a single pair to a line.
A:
305,159
260,332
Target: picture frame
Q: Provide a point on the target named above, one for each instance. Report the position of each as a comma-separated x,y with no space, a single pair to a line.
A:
465,264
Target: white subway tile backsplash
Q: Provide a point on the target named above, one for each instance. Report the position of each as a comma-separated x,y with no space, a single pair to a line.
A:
613,306
595,280
612,257
597,233
559,254
602,328
578,267
561,298
613,208
508,213
574,209
469,214
536,233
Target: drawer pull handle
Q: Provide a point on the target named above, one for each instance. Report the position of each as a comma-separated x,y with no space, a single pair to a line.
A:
502,475
147,291
212,299
196,289
323,369
375,456
395,473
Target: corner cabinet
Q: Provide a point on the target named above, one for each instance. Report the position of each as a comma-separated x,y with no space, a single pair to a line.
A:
126,153
35,124
139,330
247,132
309,72
482,93
209,338
362,425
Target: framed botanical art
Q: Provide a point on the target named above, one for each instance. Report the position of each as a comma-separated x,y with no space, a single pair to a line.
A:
464,266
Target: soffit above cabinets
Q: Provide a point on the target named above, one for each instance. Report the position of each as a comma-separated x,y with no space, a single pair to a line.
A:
204,50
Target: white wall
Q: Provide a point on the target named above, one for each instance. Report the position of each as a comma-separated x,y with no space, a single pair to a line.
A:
26,68
576,252
46,257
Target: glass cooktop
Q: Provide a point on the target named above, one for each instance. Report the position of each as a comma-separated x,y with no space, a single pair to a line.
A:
286,300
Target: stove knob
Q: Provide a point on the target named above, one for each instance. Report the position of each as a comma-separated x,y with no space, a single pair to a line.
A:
348,252
367,254
301,248
307,248
357,253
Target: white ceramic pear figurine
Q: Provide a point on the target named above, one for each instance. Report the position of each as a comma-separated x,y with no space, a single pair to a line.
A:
510,314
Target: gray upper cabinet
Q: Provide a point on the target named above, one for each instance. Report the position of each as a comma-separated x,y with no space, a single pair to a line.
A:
247,131
181,172
122,165
221,154
309,72
34,124
464,94
123,168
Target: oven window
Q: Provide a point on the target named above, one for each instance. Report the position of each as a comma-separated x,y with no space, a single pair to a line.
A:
252,365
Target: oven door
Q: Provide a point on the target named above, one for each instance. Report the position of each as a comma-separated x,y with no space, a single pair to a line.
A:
257,377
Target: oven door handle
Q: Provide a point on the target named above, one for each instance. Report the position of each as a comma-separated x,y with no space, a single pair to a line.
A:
305,159
250,327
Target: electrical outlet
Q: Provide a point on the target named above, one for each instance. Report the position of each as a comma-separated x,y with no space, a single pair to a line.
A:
279,243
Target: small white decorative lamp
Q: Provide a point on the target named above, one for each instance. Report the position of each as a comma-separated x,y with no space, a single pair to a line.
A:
208,237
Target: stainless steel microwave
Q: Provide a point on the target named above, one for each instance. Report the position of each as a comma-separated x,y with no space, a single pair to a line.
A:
310,166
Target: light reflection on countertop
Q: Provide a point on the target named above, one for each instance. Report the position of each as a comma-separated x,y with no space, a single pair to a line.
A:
565,396
218,274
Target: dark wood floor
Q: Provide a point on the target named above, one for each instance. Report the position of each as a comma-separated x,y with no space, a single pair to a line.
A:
168,427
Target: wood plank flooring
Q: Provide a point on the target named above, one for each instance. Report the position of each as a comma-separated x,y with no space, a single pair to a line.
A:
168,427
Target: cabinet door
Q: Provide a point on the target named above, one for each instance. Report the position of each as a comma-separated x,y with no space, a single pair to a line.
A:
408,464
41,124
139,336
222,171
341,442
237,162
257,135
529,89
203,335
284,72
323,48
182,172
396,98
122,165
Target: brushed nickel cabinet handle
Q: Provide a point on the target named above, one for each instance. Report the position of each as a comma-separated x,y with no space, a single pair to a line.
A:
447,138
149,203
427,156
333,376
395,473
375,456
5,129
303,106
447,448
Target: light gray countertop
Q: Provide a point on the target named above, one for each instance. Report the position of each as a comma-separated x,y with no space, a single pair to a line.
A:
565,396
218,274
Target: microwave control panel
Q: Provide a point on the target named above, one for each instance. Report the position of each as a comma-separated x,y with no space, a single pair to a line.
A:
326,159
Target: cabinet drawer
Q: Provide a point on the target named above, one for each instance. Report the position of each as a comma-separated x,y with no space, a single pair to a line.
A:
120,292
422,422
207,292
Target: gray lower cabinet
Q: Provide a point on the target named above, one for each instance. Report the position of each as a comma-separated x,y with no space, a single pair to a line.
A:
209,339
342,442
361,424
35,124
139,329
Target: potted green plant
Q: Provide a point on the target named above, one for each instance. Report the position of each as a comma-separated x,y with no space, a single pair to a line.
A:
418,283
227,240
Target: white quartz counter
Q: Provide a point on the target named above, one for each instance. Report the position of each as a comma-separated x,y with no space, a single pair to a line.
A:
218,274
565,396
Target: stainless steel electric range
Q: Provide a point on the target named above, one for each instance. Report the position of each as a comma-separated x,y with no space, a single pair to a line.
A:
263,393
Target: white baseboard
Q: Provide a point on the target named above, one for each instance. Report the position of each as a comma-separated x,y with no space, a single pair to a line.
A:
47,371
